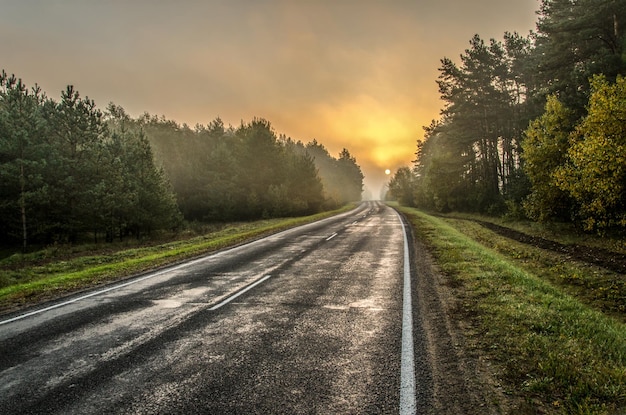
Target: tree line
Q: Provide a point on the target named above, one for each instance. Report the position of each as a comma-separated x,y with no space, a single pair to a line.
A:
220,172
69,171
532,126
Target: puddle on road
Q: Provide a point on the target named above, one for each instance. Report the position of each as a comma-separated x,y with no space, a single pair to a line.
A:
369,305
168,303
335,307
186,296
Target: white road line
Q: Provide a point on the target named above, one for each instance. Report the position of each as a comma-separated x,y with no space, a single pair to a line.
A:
238,293
407,368
331,236
131,282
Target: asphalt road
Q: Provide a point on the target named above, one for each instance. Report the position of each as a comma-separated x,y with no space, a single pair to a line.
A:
307,321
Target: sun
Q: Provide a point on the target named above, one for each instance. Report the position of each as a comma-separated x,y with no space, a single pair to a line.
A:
387,172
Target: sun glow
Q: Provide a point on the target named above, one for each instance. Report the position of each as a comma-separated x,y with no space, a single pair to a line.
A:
379,134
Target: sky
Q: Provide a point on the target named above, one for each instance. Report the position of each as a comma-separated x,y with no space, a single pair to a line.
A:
355,74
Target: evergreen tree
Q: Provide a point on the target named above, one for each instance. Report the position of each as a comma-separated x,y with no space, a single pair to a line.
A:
577,39
77,137
351,177
23,154
136,195
155,206
483,118
259,158
401,186
304,186
328,172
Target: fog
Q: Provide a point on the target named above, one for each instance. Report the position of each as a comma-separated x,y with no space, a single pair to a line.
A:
354,74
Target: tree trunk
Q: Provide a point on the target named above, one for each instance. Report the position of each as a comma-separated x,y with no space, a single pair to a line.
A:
23,206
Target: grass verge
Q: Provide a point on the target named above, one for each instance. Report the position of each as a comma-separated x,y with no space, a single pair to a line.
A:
556,352
43,275
600,288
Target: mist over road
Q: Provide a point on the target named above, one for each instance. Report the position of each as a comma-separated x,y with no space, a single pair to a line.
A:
305,321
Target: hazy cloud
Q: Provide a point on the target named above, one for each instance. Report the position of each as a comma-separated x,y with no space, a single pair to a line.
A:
358,74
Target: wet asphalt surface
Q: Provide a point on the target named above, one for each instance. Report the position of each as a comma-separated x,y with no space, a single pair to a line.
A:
307,321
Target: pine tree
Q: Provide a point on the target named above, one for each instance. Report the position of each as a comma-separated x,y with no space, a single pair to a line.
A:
577,39
351,177
23,153
77,137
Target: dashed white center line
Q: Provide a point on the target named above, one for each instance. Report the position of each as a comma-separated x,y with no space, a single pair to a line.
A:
238,293
331,236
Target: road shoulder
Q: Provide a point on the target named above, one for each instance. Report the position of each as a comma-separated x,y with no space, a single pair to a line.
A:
463,381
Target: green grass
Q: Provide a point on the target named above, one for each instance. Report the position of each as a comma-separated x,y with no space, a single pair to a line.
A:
601,289
56,271
564,233
554,350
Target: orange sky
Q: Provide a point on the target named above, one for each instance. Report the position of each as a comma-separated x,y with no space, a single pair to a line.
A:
358,74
